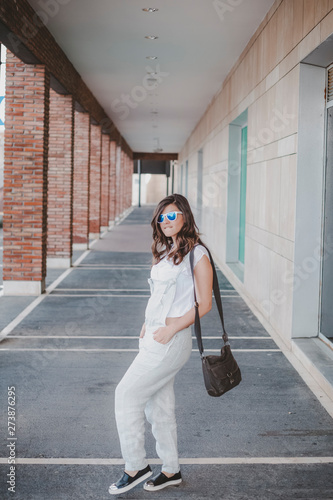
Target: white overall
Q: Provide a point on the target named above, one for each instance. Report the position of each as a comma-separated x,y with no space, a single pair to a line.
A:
147,386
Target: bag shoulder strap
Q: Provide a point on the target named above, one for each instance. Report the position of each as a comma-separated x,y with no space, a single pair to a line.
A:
216,288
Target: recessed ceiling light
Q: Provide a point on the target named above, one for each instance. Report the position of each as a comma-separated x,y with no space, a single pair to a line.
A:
154,112
150,9
151,37
152,58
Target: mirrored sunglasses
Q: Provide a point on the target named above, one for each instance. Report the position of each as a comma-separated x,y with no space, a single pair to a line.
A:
170,215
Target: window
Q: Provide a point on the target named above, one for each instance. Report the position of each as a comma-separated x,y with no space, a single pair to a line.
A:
236,208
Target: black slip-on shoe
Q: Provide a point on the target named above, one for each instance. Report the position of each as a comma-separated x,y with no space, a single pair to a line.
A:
126,482
162,481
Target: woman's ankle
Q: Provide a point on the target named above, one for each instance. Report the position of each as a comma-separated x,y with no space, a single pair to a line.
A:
131,472
168,474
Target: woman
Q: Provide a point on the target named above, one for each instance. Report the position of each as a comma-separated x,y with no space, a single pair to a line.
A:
165,345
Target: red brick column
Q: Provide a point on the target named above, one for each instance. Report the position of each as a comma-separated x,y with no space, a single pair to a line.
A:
105,182
126,181
25,177
122,183
129,200
132,169
60,181
95,182
81,180
118,179
112,188
130,181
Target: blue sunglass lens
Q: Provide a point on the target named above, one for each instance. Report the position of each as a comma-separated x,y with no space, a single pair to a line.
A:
170,216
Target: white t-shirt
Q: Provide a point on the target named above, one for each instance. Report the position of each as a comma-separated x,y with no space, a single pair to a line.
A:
184,297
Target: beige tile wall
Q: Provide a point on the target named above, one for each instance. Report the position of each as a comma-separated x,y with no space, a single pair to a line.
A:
265,80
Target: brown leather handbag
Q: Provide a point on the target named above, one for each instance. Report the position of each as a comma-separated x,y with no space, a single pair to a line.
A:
221,373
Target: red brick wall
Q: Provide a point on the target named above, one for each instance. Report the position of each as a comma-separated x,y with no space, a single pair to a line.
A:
112,189
129,181
118,175
126,192
105,180
119,182
81,178
60,176
125,181
25,171
122,189
95,179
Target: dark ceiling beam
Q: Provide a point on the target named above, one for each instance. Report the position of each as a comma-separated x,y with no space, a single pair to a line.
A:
25,34
156,156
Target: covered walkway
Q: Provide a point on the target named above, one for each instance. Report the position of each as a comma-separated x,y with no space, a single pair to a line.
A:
268,439
113,104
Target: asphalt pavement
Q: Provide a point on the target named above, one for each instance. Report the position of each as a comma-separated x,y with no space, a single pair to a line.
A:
63,353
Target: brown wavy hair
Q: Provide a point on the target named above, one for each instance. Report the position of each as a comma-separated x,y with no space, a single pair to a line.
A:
186,238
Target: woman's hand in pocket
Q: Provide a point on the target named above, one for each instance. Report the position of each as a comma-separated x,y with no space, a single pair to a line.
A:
164,334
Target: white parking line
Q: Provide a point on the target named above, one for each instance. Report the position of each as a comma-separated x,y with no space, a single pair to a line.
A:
114,337
111,289
93,266
101,267
182,461
125,350
97,295
114,295
103,289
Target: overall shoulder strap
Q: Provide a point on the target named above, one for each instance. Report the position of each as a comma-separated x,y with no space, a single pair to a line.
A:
216,288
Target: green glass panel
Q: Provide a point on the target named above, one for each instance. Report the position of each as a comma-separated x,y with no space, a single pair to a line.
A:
242,208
